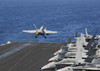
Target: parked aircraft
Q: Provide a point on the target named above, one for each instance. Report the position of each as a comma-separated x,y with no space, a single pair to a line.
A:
76,56
90,36
94,65
67,61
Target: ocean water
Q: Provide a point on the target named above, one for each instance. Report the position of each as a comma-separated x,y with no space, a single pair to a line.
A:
64,16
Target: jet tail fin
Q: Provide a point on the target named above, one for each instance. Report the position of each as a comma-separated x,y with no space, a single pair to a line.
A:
69,40
86,32
79,50
75,34
35,27
92,40
83,39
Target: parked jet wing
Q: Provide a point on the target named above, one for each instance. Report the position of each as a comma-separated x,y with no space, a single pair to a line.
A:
78,68
86,68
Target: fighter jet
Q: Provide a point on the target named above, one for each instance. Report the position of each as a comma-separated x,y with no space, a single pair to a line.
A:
65,46
90,36
63,49
67,61
42,31
58,57
94,65
88,67
78,54
79,66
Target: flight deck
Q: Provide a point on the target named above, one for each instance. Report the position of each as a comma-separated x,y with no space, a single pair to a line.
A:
26,56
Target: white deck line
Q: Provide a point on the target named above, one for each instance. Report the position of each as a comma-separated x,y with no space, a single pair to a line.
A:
13,51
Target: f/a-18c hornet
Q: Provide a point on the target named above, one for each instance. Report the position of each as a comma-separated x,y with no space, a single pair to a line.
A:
42,31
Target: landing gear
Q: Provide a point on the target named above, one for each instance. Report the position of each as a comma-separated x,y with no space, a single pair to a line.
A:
36,36
45,37
42,35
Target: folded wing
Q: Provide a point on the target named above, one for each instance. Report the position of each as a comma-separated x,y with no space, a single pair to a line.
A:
29,31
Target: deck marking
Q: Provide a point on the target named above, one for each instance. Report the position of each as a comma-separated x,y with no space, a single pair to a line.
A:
13,51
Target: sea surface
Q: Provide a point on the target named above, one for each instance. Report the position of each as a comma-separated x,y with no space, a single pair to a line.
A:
64,16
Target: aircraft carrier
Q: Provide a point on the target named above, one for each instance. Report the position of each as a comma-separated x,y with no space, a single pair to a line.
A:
79,55
26,56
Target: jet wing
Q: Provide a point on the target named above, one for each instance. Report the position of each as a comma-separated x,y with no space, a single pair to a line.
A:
29,31
78,68
86,68
48,32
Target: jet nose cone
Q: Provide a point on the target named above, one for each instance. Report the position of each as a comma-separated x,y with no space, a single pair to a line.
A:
49,66
59,70
44,67
54,58
51,59
64,69
59,51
